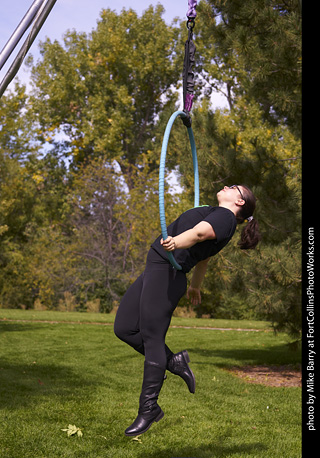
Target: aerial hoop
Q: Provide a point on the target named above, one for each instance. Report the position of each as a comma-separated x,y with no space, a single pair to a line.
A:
162,178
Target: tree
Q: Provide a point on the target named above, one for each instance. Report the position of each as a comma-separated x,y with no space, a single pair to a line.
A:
96,227
106,100
256,142
239,146
105,90
111,229
79,211
16,193
32,192
253,50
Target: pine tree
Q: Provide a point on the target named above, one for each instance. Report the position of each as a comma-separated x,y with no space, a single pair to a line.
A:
256,142
254,49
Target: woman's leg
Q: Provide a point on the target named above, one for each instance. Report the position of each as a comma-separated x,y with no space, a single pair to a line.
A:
161,292
162,289
127,321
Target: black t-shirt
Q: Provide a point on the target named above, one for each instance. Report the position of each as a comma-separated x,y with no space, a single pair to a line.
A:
224,225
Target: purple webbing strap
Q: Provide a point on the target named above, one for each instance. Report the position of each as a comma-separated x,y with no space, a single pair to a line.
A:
188,102
192,8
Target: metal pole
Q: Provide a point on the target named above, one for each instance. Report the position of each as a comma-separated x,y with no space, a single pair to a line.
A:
39,21
20,30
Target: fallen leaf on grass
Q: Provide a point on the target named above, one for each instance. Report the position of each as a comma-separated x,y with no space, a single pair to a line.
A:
137,438
72,430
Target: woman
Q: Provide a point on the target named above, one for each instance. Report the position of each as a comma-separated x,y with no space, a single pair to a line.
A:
146,309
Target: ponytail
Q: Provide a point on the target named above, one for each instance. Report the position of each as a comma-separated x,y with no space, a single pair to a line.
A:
250,235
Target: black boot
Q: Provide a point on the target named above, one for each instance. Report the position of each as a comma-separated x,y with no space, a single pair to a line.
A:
178,364
149,411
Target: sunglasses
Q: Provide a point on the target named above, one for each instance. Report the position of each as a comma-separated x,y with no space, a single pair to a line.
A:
237,187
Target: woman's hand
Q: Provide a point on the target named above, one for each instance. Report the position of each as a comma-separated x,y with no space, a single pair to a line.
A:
199,233
168,244
194,295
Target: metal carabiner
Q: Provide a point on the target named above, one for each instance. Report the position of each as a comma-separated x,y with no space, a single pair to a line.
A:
190,23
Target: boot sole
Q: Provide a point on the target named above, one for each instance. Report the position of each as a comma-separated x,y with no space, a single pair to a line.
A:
158,418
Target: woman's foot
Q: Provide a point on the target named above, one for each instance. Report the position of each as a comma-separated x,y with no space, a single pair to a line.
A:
149,410
178,364
143,421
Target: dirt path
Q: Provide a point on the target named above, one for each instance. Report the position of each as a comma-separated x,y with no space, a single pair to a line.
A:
269,375
111,324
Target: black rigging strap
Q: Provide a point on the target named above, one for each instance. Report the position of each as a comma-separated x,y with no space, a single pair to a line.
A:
188,74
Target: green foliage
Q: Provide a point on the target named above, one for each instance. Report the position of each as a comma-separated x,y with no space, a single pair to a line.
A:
239,147
79,158
255,51
256,142
105,90
32,191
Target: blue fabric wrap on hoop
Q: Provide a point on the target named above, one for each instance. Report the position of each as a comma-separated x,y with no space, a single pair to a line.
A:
162,178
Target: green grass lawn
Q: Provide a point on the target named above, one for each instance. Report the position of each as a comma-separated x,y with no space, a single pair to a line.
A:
74,371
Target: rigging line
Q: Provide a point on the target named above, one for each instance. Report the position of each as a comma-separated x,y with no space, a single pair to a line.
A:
38,23
19,31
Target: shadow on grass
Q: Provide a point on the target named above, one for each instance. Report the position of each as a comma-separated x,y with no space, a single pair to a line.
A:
17,327
21,384
276,355
209,451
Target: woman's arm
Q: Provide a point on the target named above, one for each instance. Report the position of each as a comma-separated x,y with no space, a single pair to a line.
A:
193,293
199,233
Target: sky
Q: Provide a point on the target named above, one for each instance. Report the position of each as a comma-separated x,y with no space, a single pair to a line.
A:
81,15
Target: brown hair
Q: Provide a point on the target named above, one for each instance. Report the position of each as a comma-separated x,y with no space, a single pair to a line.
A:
250,235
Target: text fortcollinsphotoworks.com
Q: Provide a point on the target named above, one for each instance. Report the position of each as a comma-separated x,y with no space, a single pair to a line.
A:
310,331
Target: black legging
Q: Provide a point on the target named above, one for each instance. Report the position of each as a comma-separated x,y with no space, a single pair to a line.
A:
145,311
